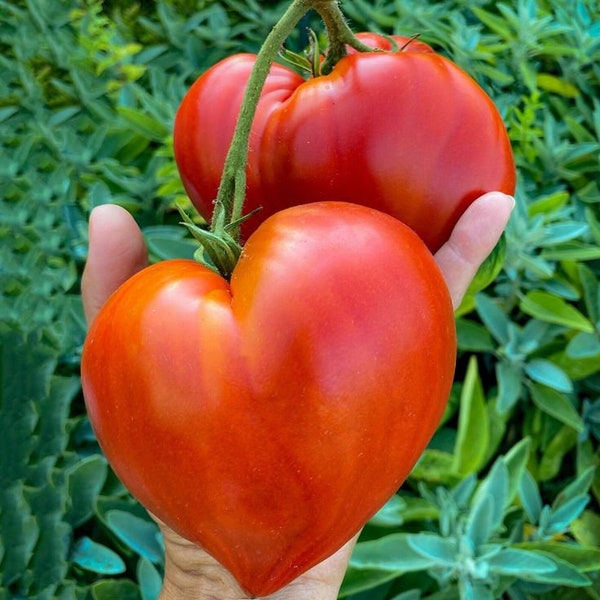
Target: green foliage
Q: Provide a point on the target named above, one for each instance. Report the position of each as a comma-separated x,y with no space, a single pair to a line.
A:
480,546
504,502
86,112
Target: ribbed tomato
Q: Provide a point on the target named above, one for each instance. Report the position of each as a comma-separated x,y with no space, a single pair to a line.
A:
268,418
404,131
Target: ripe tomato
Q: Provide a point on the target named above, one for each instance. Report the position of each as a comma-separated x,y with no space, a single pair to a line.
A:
406,132
267,419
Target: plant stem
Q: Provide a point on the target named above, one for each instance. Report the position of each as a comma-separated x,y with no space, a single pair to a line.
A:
221,242
338,32
232,189
228,210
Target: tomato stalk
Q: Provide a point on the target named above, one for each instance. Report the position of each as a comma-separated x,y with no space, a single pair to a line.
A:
338,33
222,243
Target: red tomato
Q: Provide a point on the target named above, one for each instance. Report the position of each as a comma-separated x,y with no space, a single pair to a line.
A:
268,419
407,133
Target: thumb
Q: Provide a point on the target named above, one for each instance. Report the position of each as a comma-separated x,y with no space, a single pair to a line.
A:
473,238
116,252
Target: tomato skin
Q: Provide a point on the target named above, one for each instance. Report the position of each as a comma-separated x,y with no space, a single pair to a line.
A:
268,419
407,133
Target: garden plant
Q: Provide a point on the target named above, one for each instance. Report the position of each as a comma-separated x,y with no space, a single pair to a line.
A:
504,502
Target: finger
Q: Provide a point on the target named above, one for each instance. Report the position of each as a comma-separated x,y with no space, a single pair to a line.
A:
116,252
473,238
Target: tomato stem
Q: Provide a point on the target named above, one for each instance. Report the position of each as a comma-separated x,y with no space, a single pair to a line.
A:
228,211
338,32
232,189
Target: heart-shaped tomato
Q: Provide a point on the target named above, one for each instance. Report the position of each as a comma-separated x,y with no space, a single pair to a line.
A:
407,132
267,419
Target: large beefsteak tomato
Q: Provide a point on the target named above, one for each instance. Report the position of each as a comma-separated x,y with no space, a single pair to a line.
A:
267,419
406,132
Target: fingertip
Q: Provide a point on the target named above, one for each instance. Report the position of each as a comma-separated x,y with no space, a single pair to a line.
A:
110,219
116,252
500,201
473,238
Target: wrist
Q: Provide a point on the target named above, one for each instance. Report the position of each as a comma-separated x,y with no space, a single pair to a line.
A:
192,574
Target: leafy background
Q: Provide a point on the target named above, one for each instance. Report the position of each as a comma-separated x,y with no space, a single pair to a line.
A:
504,503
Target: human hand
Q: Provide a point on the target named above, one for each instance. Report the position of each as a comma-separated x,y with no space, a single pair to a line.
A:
117,251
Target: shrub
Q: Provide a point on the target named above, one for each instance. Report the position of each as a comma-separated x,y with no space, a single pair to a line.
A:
504,503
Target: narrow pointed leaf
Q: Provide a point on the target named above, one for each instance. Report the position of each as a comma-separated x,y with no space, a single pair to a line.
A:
557,405
91,556
550,308
473,427
392,552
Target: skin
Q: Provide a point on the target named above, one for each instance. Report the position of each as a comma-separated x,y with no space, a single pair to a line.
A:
117,251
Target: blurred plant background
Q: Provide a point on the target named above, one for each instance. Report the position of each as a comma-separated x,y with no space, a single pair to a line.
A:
505,502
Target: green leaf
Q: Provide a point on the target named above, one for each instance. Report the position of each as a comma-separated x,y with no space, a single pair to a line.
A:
91,556
495,22
392,553
418,509
26,368
8,111
48,565
586,530
143,123
473,429
480,525
530,496
510,383
19,528
390,514
493,318
166,242
591,218
552,309
473,337
591,291
490,268
408,595
64,114
584,558
441,550
547,373
559,233
495,487
551,83
520,562
572,251
53,412
435,466
584,345
562,443
577,369
31,502
562,517
463,491
563,574
140,535
581,485
357,580
85,480
449,592
515,461
111,589
149,579
548,204
556,405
